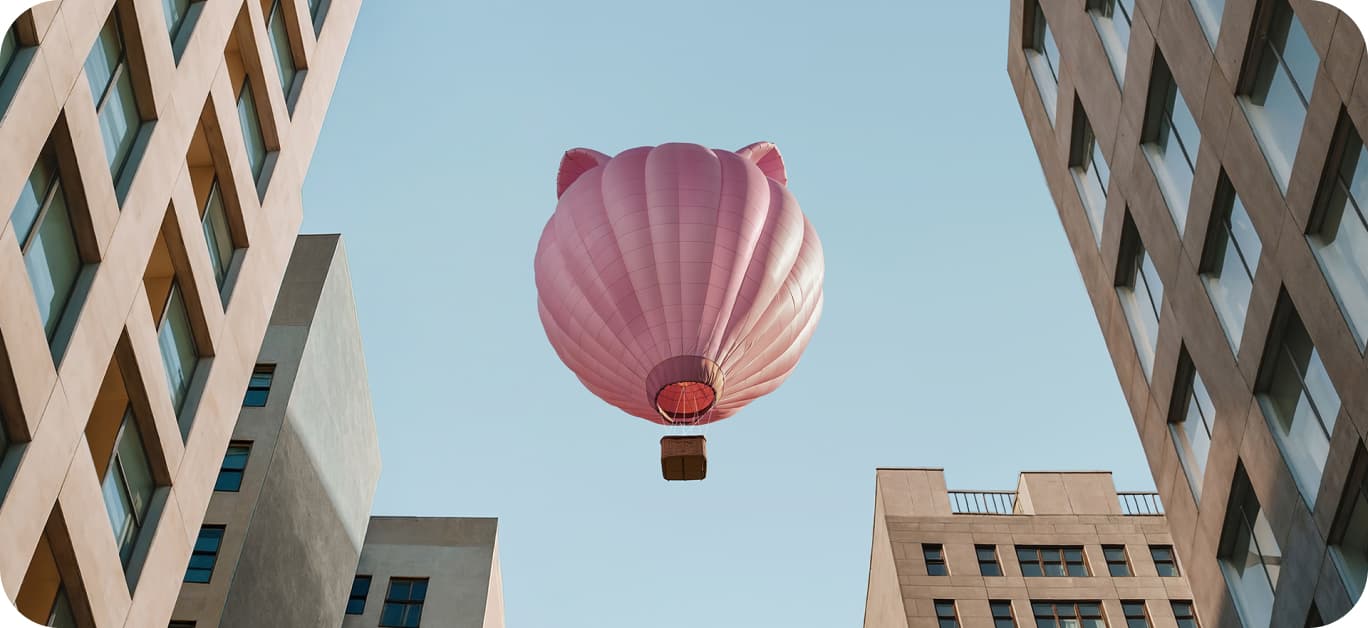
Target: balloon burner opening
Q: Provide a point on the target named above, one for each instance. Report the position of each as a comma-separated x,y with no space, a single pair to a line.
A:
682,401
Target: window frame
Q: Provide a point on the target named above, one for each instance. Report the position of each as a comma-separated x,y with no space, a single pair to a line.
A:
1171,561
1187,385
1124,562
240,472
1239,520
1355,489
260,370
1277,355
993,560
938,551
353,596
1184,609
117,468
221,531
408,604
1064,563
994,606
944,619
1161,107
1252,70
180,405
1084,155
1132,261
1129,616
1074,605
1036,39
1212,267
1106,10
123,160
1333,180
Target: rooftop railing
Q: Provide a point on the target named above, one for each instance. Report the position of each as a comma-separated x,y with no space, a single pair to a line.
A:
1140,503
982,502
1133,503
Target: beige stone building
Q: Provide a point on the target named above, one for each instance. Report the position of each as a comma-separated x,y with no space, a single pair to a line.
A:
1207,161
1063,549
439,571
150,175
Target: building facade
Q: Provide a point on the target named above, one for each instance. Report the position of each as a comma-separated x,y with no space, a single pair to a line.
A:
285,525
150,196
1063,549
429,571
1207,161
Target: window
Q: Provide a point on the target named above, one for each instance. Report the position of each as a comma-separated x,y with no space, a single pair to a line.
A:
356,603
404,602
1209,16
1249,554
1113,21
1183,614
14,60
1191,416
234,464
945,614
1090,172
1170,140
251,129
1279,72
205,554
1164,563
43,226
180,355
1349,535
128,487
1142,295
1052,561
217,235
280,45
175,12
1298,400
1134,612
259,387
1002,614
935,560
181,624
1229,260
61,615
1042,55
318,10
1338,231
988,560
1117,565
1068,614
111,84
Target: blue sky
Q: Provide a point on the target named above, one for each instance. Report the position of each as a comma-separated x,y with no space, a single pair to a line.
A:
957,332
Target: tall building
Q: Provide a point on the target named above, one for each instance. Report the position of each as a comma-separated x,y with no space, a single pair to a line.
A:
1207,161
439,571
150,196
1062,550
286,523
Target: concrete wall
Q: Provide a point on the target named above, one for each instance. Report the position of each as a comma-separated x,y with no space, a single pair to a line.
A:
46,403
294,532
1079,509
457,555
1207,77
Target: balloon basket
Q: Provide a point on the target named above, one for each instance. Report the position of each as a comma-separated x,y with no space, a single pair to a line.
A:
684,457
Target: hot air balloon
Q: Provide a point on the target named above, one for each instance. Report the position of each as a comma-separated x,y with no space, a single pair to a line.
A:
679,283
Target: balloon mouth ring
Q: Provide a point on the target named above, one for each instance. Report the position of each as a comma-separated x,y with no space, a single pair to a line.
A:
684,400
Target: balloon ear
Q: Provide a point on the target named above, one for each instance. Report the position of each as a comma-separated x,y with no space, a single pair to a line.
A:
766,156
575,163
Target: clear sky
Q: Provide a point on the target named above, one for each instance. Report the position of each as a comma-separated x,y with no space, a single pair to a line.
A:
957,331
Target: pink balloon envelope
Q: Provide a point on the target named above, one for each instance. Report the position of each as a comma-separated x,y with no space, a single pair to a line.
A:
678,282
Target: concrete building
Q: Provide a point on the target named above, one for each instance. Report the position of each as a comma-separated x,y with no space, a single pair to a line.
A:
285,526
1063,549
1207,161
149,201
440,571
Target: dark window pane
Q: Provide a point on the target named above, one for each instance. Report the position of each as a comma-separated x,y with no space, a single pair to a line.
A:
419,591
392,615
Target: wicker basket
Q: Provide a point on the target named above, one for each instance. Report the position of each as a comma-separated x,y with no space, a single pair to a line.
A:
684,457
